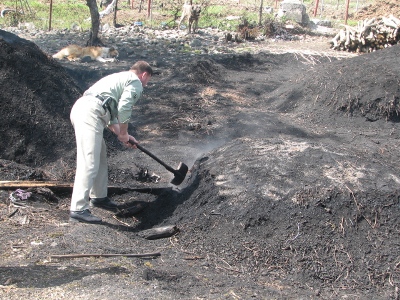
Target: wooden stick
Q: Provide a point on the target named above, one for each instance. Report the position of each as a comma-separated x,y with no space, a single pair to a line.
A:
104,255
30,184
67,186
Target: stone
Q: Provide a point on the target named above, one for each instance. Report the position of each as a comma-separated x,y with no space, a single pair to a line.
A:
324,23
195,43
294,10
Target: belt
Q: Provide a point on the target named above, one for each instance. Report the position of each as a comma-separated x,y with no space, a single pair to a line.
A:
105,102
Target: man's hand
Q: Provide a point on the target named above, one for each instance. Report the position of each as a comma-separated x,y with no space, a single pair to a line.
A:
131,142
125,140
123,137
121,130
133,146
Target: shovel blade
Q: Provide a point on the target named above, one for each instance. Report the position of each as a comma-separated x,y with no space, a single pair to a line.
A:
180,174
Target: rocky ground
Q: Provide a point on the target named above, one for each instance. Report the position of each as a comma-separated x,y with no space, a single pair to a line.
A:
293,188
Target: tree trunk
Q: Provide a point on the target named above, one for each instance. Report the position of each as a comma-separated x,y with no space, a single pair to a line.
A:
148,8
260,13
115,14
94,31
140,6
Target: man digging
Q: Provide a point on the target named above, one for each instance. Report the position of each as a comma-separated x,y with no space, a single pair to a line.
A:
109,103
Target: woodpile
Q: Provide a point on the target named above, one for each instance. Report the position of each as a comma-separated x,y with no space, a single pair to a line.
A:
369,35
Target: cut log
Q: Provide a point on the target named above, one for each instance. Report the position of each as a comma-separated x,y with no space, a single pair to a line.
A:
348,41
389,22
158,233
370,35
396,20
335,41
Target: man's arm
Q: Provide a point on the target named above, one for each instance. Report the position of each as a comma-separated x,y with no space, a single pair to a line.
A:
121,130
123,135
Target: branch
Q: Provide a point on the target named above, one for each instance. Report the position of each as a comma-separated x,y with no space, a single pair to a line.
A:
109,9
67,186
104,255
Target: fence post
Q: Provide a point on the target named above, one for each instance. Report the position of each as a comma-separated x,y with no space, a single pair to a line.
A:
347,12
51,9
316,8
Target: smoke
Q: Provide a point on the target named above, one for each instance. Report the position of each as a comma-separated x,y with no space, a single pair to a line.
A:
197,150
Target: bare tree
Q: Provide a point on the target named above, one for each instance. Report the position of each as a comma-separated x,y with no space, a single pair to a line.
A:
94,31
115,14
260,12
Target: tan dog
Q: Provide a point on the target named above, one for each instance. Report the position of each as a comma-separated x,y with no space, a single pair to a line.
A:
75,52
192,12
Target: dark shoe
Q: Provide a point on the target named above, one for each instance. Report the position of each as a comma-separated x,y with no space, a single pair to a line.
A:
84,216
104,203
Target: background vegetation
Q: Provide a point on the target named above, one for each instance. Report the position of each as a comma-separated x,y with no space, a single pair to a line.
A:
74,14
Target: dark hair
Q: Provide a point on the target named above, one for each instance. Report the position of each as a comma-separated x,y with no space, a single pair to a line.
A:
141,67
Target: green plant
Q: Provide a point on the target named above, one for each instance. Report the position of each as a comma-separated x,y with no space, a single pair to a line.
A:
352,22
247,30
64,14
220,16
211,15
72,12
12,18
186,48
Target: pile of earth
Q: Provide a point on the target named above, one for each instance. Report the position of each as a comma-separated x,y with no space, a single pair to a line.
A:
379,8
293,189
37,95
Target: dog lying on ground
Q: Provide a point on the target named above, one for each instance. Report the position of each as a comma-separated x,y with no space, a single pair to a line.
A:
75,52
192,12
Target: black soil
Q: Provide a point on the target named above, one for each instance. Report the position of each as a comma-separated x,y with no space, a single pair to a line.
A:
293,189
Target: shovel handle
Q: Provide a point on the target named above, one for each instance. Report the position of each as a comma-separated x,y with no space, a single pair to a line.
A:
172,170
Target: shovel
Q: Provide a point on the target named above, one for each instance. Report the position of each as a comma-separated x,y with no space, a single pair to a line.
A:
179,174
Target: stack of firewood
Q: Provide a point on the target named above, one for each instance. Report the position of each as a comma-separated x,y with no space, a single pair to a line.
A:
369,35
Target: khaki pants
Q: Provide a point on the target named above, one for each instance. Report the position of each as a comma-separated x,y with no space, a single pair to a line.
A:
89,119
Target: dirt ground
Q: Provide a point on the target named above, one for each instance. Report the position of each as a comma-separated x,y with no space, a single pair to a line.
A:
293,189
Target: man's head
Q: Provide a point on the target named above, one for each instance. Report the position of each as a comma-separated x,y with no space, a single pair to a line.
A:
143,70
